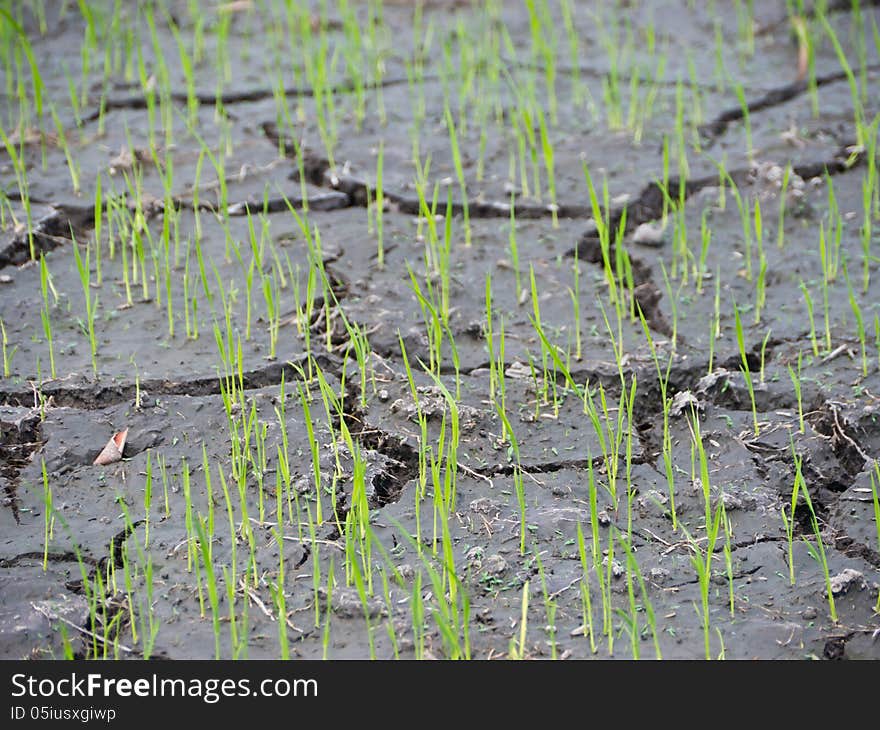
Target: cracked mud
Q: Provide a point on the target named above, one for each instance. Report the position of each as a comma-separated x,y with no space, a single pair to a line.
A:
256,409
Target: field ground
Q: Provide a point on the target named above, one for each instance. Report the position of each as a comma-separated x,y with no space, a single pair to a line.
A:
440,329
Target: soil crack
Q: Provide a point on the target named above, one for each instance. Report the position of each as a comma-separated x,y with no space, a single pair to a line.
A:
318,171
715,128
98,395
19,439
239,97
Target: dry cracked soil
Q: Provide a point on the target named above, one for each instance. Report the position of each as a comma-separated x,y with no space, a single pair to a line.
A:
123,574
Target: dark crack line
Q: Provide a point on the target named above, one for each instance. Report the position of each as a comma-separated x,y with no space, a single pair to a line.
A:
66,222
401,460
539,468
695,581
67,556
54,229
318,171
19,439
846,545
835,644
96,396
114,553
596,73
745,544
138,102
776,97
846,6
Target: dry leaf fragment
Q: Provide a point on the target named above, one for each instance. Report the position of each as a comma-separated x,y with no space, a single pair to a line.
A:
113,450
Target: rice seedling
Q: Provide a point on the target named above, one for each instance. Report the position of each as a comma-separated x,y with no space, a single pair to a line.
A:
744,367
745,13
681,255
213,596
586,596
149,621
806,52
603,230
19,166
518,483
663,381
763,356
830,243
795,376
615,50
703,478
818,552
83,268
148,498
328,610
641,104
358,517
715,324
646,607
452,611
518,650
746,219
875,472
417,612
858,108
495,376
459,171
392,634
744,108
696,97
528,113
705,241
130,572
62,141
48,514
602,570
870,196
760,284
550,607
7,353
544,41
788,520
44,312
21,41
680,140
808,300
701,559
728,565
826,291
547,148
877,336
780,225
860,323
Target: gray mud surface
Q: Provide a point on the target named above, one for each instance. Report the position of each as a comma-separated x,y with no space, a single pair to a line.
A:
122,574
